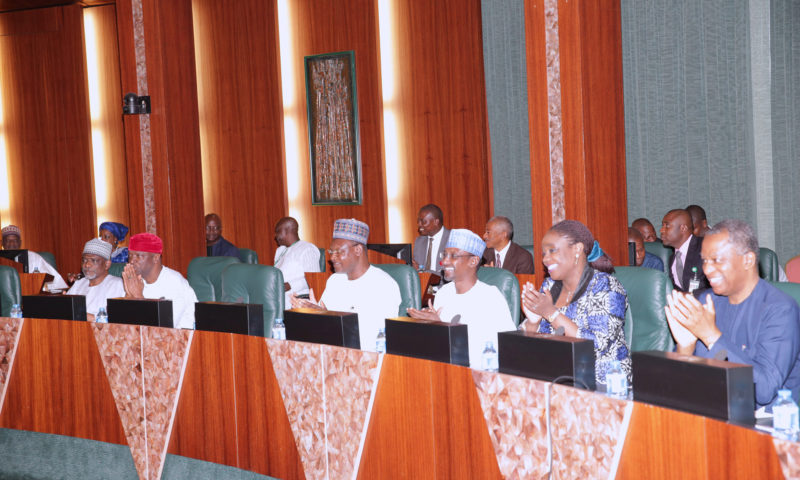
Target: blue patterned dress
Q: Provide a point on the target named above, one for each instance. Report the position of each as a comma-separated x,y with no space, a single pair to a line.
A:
600,316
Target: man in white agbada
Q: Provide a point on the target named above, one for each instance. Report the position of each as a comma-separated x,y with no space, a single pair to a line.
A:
12,240
97,285
294,258
356,286
481,306
145,277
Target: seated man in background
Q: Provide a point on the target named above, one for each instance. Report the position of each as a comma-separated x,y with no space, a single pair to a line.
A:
646,228
146,277
501,252
356,286
432,238
294,257
216,245
676,232
478,305
12,240
698,220
754,322
97,285
643,257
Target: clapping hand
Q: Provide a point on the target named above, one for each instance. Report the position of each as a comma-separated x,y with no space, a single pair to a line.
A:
310,303
427,313
691,320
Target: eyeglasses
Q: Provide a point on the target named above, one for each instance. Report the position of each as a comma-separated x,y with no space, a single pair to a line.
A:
452,256
340,252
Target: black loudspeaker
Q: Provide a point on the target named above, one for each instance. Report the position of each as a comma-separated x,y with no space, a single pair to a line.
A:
703,386
151,313
439,341
547,357
60,307
242,318
322,326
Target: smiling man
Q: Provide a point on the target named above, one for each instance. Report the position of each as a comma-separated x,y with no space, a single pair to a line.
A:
466,299
754,322
356,286
97,285
429,246
145,277
501,252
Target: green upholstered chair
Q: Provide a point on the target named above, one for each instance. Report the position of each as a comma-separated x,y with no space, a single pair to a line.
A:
647,295
49,258
205,276
246,283
768,265
508,285
790,288
659,250
408,280
323,262
116,269
248,256
10,290
529,248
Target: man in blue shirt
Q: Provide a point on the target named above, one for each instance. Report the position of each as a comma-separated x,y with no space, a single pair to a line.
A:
643,257
216,245
754,322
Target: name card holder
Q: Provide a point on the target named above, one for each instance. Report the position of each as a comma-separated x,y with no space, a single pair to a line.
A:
546,357
429,340
59,307
704,386
242,318
322,326
147,312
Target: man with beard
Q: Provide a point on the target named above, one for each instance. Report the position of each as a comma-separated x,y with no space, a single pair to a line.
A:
145,277
478,305
356,286
96,285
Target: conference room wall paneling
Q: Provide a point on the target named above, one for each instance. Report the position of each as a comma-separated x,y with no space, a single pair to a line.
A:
327,26
46,130
241,119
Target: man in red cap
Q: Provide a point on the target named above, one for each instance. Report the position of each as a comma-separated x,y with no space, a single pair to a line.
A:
145,277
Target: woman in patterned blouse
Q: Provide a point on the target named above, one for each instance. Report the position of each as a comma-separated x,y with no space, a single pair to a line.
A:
580,296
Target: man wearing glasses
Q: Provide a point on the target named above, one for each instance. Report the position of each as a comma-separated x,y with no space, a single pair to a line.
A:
466,299
216,245
97,285
356,286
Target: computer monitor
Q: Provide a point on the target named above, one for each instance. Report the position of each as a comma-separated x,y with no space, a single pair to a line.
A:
396,250
59,307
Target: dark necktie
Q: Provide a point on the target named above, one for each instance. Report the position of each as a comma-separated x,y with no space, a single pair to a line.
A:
498,263
430,254
679,268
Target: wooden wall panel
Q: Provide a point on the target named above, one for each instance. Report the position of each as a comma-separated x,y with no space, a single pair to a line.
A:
593,121
441,106
46,130
58,384
326,26
241,119
207,393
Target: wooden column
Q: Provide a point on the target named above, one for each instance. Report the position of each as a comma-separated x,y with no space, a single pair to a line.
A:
574,60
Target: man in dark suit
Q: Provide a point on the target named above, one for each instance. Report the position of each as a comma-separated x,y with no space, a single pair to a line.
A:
432,239
676,232
500,251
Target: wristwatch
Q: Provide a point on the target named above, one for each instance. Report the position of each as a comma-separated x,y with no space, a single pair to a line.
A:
552,317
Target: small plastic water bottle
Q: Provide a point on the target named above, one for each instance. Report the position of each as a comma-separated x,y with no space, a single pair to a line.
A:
616,380
16,311
102,316
489,362
36,270
694,282
380,341
279,330
785,416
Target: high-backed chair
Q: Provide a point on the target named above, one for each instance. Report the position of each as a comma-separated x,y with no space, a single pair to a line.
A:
789,288
408,280
116,269
10,290
793,269
323,263
659,250
205,276
248,256
246,283
647,295
49,258
529,248
768,265
508,285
